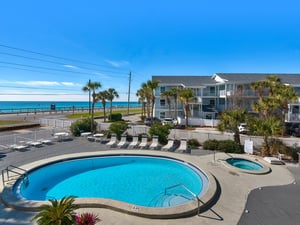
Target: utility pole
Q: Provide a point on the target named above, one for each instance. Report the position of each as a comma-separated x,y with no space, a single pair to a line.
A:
89,96
129,84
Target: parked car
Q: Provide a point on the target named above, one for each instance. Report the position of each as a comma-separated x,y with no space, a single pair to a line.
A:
170,121
148,121
293,129
243,128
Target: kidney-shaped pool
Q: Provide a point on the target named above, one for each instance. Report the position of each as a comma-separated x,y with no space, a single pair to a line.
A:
148,181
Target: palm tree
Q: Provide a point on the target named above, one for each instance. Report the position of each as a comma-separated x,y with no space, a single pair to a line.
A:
142,97
112,93
286,95
103,96
167,95
92,87
150,87
266,127
230,120
60,212
148,95
186,96
174,94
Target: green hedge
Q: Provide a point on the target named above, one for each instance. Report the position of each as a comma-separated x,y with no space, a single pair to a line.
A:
228,146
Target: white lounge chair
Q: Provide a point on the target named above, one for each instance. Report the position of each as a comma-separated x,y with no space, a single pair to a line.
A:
134,143
122,142
154,144
113,141
183,146
34,143
144,142
18,147
273,160
45,141
168,146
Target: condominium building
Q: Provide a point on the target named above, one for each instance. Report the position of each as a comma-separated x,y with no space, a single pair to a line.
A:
217,93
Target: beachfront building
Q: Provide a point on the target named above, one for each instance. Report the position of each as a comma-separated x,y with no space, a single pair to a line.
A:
217,93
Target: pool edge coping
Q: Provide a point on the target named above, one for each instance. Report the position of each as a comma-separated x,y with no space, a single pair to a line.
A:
9,199
265,170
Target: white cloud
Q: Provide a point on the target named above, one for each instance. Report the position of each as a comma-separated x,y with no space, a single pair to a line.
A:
72,67
117,63
37,83
69,84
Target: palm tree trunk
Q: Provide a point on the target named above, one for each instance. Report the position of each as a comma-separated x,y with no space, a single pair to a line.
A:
110,111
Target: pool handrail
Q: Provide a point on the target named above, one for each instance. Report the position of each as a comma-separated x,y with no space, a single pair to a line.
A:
188,190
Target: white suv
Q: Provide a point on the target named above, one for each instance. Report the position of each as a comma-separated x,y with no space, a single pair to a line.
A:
170,121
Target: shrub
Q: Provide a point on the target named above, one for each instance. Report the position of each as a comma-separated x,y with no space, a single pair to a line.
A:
161,131
210,144
193,143
229,146
116,117
59,212
82,125
86,219
118,128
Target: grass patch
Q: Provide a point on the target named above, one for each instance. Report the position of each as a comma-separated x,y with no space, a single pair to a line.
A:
100,113
10,122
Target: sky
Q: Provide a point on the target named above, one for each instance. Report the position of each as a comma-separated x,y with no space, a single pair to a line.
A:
49,50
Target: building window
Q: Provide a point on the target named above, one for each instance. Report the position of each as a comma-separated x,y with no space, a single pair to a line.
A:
162,102
162,115
162,89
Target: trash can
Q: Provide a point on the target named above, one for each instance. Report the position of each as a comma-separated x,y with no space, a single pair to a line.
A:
52,106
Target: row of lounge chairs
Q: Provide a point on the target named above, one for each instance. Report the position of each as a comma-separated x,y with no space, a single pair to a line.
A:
26,143
154,145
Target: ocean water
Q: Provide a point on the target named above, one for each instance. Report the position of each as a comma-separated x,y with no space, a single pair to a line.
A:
25,106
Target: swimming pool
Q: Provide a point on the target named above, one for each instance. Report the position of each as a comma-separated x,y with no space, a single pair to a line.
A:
247,165
147,181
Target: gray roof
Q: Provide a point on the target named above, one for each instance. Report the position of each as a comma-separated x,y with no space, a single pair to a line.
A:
236,78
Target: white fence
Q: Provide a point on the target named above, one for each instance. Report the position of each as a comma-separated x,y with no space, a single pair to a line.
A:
56,123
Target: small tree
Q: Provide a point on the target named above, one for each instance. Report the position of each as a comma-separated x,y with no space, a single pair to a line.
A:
118,128
59,212
82,125
267,128
161,131
230,120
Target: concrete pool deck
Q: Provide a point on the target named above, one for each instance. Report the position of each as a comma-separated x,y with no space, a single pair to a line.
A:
233,187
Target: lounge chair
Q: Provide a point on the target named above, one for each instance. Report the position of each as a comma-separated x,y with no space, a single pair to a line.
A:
183,146
45,141
113,141
273,160
18,147
34,143
144,143
123,142
169,145
154,144
134,143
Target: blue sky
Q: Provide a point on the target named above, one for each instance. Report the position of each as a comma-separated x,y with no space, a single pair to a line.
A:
103,41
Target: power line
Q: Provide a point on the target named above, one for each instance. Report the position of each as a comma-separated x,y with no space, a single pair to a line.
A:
48,68
37,88
56,57
57,63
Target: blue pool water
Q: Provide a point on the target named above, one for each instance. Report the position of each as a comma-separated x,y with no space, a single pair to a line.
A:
140,180
244,164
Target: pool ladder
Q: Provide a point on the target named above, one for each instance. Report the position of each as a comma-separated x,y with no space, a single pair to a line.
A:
11,173
188,190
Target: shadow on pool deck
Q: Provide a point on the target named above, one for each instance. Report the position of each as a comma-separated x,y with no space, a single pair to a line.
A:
274,205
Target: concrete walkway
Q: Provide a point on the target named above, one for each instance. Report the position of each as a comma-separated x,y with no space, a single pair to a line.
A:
233,187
